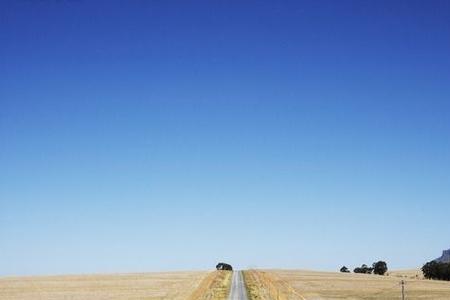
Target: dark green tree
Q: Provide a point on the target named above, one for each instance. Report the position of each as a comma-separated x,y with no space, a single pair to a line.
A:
224,267
379,267
436,270
363,269
344,269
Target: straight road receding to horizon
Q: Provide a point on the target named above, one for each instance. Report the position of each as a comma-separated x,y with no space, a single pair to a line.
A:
238,290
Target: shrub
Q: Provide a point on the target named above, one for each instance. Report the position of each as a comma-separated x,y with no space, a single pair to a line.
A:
344,269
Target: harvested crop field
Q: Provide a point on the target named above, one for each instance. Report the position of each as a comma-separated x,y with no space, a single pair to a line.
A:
151,286
311,285
215,286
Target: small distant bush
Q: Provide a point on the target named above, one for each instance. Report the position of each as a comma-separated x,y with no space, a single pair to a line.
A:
344,269
379,267
436,270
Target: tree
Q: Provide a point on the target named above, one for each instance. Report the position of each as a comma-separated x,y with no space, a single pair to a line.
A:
436,270
344,269
429,270
224,267
363,269
379,267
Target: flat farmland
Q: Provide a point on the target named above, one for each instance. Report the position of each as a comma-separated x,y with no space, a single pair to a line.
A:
172,285
334,285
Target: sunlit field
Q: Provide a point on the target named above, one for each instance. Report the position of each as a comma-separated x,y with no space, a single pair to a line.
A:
176,285
299,284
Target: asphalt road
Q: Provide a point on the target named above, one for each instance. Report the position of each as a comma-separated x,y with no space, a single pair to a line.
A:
238,290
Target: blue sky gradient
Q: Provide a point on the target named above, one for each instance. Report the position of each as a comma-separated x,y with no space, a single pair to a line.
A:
168,135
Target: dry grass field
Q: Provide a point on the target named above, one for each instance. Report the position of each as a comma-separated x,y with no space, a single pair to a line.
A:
311,285
264,285
215,286
176,285
406,274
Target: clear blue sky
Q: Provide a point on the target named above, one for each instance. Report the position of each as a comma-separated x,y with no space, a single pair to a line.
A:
167,135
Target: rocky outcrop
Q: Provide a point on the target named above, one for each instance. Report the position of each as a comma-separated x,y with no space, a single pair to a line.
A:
445,258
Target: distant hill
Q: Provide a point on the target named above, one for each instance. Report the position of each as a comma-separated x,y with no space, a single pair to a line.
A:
445,258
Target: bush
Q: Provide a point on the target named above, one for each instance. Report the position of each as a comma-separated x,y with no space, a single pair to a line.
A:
379,267
344,269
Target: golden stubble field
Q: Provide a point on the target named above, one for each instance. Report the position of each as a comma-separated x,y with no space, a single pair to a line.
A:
311,285
215,286
173,285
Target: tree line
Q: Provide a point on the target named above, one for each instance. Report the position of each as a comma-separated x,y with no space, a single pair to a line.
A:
436,270
379,268
431,270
